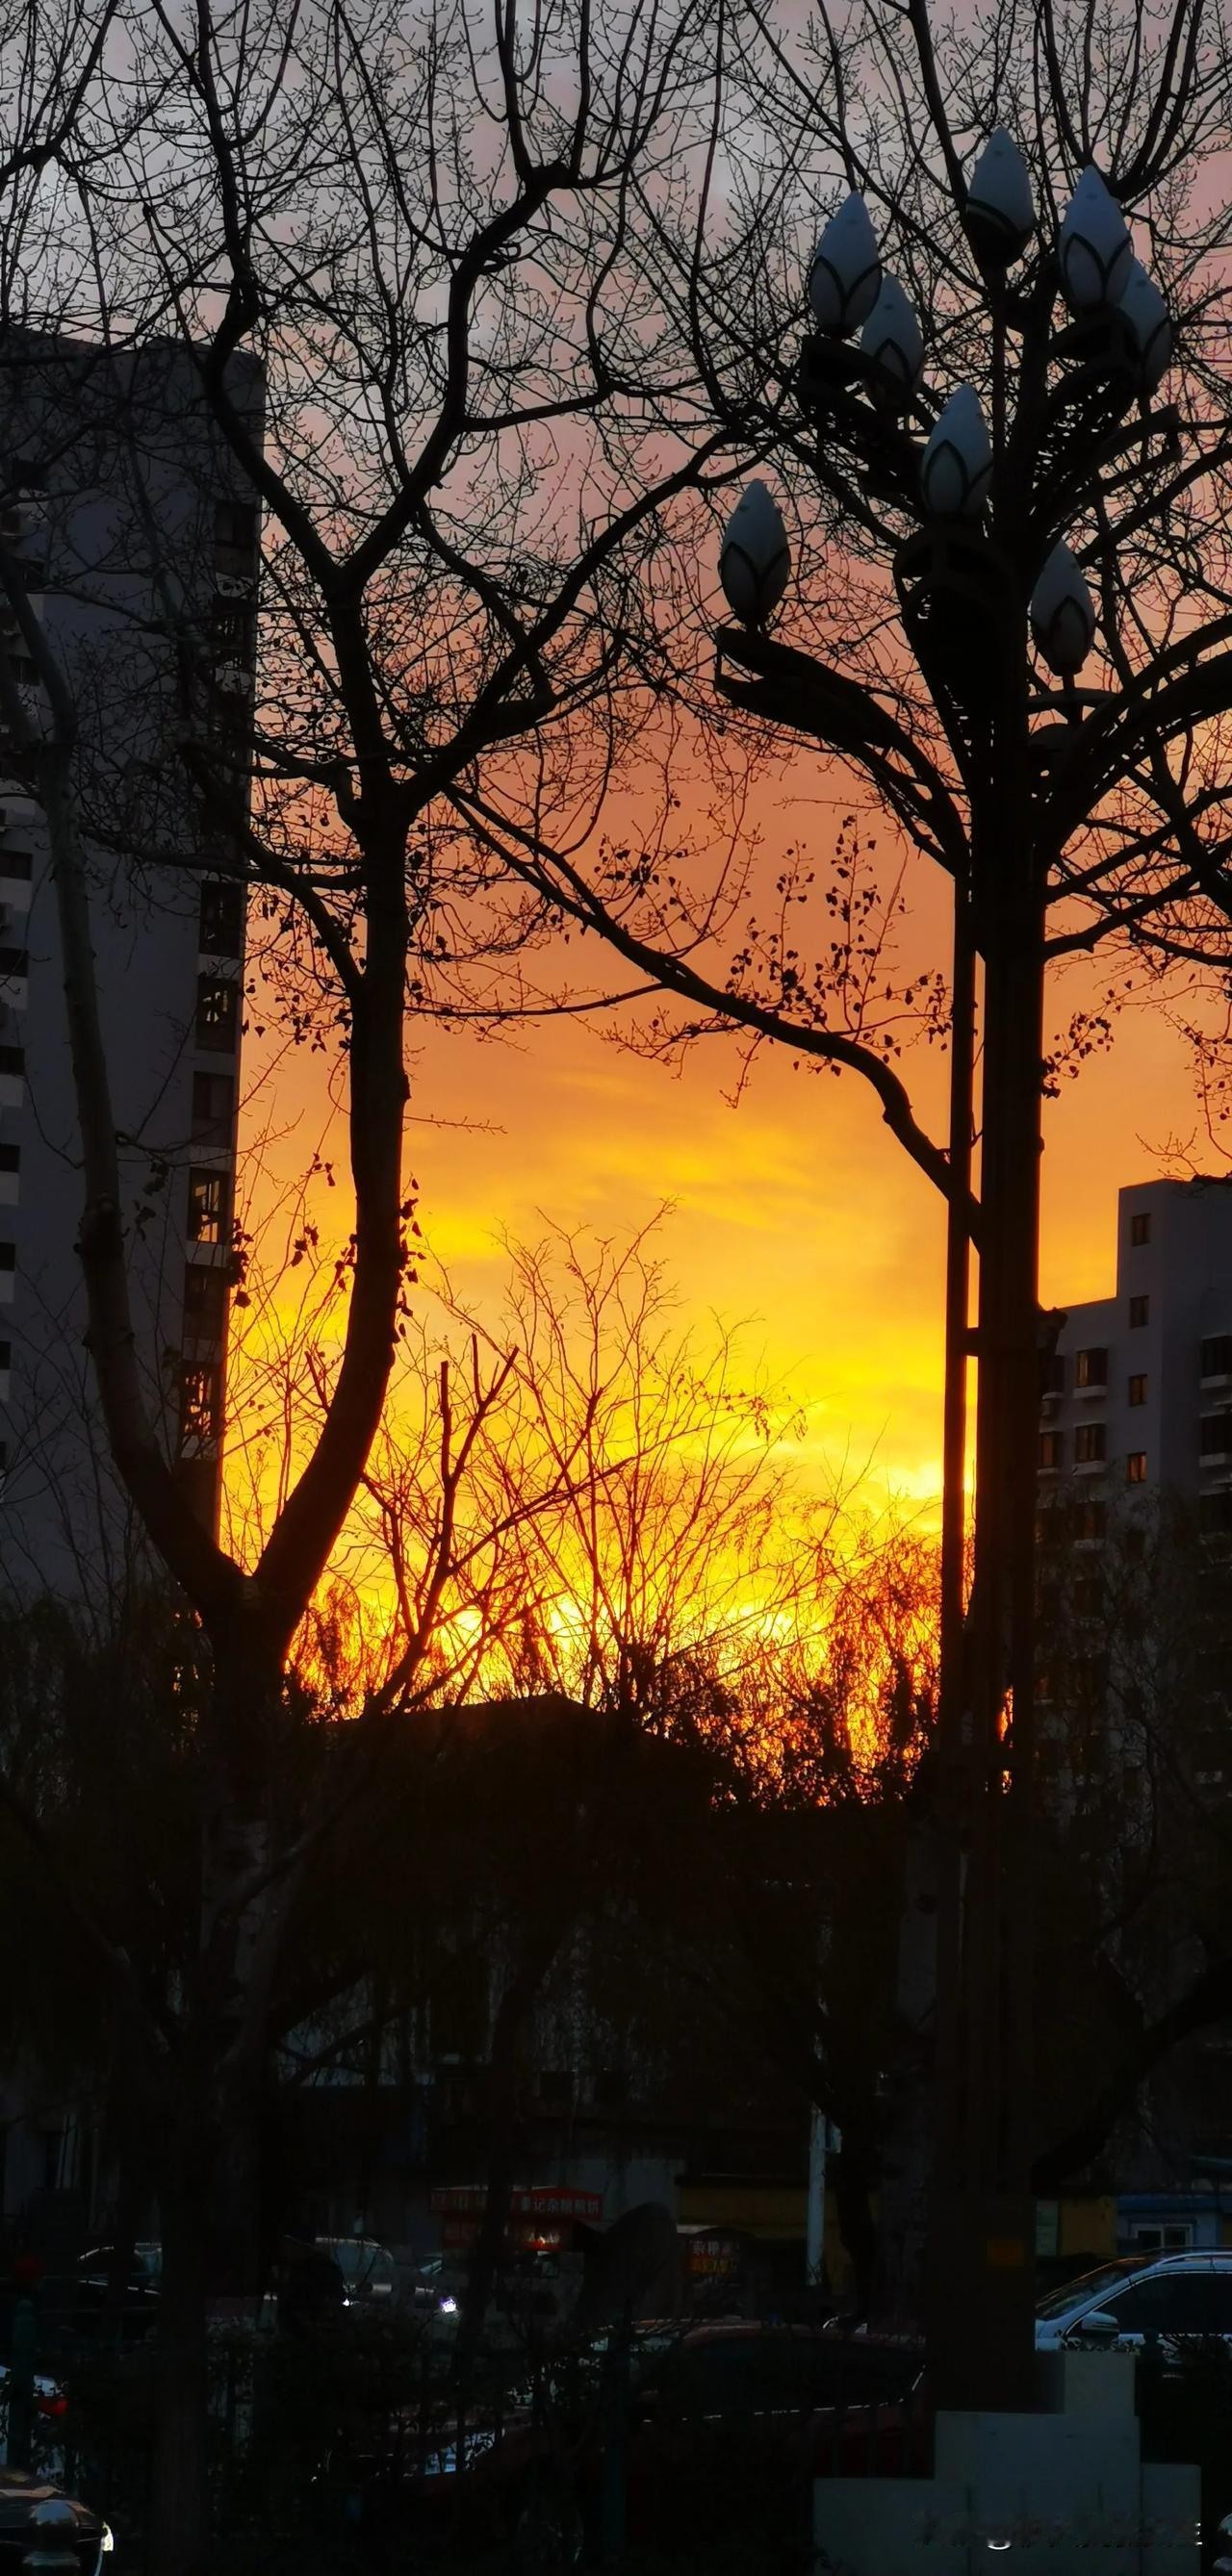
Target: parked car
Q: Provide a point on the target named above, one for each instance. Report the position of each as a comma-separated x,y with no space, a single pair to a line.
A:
41,2526
1124,2303
368,2269
721,2428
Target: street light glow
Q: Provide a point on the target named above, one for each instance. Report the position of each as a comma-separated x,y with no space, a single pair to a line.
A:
846,271
1094,248
956,467
755,556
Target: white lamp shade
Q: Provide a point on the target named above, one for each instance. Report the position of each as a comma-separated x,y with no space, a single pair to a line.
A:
1094,249
846,271
755,556
1000,205
956,467
1150,324
1062,614
893,343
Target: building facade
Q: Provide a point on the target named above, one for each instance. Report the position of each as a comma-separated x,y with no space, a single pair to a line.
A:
1139,1392
123,516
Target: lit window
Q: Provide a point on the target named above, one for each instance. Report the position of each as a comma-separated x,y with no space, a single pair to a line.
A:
217,1014
1140,1229
1050,1449
1092,1521
1137,1390
1135,1467
1091,1368
1139,1313
206,1206
1090,1443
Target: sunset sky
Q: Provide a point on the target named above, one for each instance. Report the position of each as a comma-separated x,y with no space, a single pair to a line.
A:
794,1214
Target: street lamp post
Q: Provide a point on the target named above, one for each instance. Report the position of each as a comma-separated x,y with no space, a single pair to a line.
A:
987,587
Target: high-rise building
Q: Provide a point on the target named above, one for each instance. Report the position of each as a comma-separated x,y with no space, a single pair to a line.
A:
136,539
1140,1390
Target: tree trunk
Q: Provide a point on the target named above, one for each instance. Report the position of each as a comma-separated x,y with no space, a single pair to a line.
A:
180,2514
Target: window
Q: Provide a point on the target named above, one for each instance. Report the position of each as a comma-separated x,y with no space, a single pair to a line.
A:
217,1014
1091,1522
1088,1595
1176,2303
1137,1390
1090,1443
220,930
205,1300
1091,1368
18,864
231,631
10,1158
206,1206
1217,1355
1215,1513
1140,1229
235,525
1215,1435
1135,1467
6,1355
213,1108
8,1256
1050,1447
1053,1374
200,1406
1139,1313
14,961
12,1059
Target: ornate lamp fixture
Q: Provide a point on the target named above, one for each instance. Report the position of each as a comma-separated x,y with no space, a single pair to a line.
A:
755,557
956,467
1094,249
893,345
846,271
1150,326
999,217
1062,615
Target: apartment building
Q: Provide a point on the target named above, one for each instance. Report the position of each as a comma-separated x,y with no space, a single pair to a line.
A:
1139,1393
136,543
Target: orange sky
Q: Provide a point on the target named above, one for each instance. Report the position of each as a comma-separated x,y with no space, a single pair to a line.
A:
794,1213
796,1210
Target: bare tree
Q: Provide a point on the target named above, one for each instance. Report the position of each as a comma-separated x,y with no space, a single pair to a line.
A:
414,270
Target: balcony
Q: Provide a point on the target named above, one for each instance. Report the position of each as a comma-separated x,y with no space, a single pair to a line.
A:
1091,1373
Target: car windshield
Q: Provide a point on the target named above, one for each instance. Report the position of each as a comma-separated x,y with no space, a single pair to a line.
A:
1076,2294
